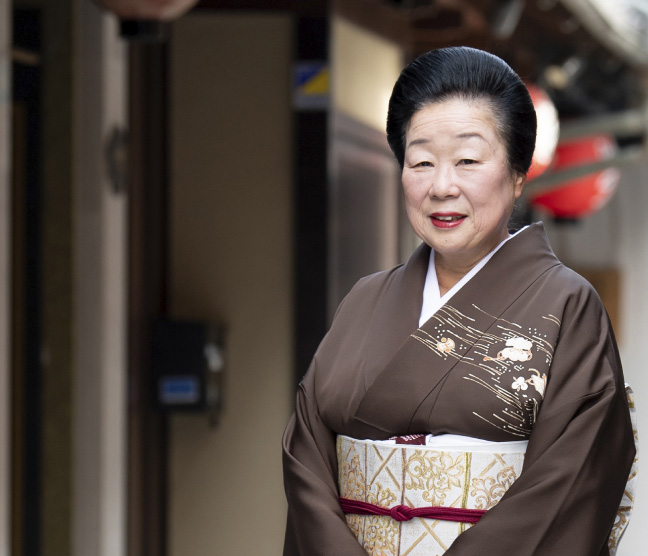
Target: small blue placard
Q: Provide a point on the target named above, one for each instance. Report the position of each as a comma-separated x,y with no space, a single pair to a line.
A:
311,85
179,390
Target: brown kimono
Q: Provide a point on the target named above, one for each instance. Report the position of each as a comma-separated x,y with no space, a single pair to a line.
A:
523,351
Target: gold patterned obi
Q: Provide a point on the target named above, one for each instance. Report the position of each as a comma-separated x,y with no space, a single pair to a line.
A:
453,476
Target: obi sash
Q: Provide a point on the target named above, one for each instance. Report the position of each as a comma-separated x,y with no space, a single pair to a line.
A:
403,477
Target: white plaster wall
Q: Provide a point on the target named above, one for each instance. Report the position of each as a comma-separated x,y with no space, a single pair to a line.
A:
364,68
365,216
99,445
617,237
231,263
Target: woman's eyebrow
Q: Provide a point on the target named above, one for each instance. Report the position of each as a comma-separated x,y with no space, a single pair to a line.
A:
420,141
466,135
470,135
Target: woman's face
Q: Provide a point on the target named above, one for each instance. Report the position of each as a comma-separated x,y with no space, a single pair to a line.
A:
459,188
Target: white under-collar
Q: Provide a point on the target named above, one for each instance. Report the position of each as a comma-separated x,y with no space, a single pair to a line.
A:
432,298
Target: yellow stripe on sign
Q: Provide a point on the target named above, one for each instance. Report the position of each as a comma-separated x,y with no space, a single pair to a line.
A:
316,85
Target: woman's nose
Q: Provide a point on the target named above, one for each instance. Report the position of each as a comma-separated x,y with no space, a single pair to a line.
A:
443,184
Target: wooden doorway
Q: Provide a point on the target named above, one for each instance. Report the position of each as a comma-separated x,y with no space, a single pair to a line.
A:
26,415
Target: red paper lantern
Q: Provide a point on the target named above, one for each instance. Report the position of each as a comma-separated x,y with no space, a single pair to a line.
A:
547,134
156,10
582,196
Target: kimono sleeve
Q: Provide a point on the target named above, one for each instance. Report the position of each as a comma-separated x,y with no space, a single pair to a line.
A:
580,452
316,525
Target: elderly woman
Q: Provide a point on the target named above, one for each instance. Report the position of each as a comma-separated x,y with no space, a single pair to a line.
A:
483,348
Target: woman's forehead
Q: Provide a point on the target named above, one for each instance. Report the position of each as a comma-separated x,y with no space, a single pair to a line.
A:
455,119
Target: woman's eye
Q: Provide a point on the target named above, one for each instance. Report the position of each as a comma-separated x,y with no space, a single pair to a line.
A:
424,163
467,161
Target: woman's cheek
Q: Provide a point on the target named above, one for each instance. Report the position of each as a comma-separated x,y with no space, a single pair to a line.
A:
415,190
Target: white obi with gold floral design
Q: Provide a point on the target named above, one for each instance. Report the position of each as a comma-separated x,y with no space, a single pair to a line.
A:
473,476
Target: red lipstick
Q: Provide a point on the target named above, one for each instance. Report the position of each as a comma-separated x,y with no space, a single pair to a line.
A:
447,220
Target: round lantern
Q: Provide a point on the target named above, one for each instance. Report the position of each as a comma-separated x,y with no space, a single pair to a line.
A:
582,196
156,10
547,134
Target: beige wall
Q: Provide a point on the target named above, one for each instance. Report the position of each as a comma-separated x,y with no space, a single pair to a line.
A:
366,232
364,68
98,504
231,264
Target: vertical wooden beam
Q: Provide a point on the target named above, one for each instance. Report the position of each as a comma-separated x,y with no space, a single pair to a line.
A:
57,243
311,203
147,263
5,270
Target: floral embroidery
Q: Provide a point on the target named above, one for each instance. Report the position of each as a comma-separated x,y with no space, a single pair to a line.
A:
446,345
498,359
538,382
517,349
489,490
519,384
434,472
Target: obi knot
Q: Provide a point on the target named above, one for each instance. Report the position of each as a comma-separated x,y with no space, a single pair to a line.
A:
400,513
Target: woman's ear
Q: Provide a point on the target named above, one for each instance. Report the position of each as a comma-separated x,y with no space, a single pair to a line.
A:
520,180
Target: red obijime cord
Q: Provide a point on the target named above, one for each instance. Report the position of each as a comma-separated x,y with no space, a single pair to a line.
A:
405,513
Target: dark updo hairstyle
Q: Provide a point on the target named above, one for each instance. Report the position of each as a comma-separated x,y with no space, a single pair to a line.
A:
469,74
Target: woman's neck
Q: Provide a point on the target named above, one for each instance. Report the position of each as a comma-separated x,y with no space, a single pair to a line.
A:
450,270
447,277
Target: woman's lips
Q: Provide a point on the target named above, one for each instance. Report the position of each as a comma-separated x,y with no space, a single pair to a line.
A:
447,220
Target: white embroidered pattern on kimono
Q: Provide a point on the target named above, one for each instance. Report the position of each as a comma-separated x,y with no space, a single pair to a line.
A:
502,360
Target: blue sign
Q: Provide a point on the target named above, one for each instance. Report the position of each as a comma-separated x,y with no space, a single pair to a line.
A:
179,390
